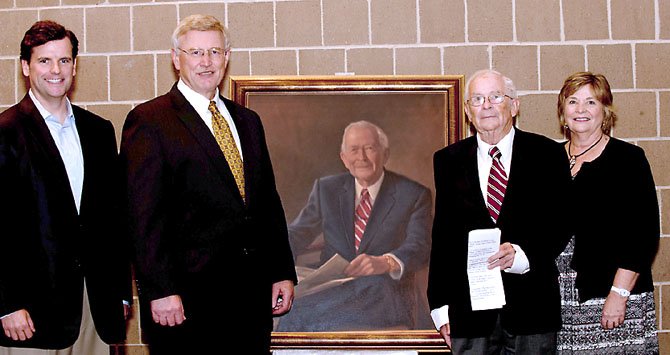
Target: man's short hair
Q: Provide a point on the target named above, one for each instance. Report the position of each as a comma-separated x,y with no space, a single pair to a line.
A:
43,32
200,23
381,136
510,88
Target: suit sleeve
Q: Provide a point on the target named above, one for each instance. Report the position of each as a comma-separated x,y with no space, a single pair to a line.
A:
15,235
546,232
280,255
147,183
115,249
442,256
308,225
415,250
641,225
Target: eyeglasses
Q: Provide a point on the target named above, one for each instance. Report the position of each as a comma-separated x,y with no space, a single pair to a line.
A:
493,99
214,52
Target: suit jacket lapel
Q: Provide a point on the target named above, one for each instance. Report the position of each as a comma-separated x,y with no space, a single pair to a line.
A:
471,181
243,132
518,157
187,114
38,132
347,199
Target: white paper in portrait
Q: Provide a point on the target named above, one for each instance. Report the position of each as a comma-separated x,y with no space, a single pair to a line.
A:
486,287
330,274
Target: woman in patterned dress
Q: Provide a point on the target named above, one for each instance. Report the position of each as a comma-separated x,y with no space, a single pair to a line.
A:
605,272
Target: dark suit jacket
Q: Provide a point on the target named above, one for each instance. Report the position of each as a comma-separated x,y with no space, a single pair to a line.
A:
48,248
399,224
533,216
192,232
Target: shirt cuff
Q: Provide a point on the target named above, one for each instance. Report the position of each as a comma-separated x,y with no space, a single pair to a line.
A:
440,316
520,265
396,275
8,314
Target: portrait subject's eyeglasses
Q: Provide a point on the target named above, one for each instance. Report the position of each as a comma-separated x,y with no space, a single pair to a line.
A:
493,99
214,52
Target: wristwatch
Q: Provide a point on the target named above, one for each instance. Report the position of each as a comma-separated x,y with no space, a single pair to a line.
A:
621,291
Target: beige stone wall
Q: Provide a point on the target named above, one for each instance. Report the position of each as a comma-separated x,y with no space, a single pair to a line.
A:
125,58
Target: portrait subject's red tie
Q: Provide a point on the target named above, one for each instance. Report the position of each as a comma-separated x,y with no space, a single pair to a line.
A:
497,185
361,217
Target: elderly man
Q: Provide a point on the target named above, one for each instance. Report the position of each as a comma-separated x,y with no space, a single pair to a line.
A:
380,222
511,180
213,260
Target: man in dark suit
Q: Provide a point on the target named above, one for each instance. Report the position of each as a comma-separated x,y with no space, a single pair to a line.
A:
213,261
63,257
530,180
393,246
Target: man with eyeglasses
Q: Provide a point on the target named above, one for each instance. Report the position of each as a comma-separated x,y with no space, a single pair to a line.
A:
213,262
502,179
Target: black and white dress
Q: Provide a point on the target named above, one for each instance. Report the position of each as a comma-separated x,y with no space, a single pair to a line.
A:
615,216
582,333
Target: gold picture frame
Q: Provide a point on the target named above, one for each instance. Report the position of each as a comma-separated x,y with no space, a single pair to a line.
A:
303,118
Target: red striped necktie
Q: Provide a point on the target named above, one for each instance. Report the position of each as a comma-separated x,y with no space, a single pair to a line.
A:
495,193
361,217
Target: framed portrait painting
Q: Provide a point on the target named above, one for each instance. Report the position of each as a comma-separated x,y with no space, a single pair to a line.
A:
304,118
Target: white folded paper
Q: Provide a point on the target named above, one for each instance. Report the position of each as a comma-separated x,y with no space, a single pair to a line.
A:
486,287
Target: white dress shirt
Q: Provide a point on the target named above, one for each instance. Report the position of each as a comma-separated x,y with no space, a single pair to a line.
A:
201,106
67,141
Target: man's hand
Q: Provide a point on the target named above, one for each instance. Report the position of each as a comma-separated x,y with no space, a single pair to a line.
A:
445,331
503,258
168,311
366,265
18,325
282,297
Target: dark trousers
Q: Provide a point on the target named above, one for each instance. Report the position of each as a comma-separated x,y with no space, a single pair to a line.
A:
502,342
188,339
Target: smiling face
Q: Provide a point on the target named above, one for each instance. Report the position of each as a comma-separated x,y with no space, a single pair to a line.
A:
202,74
50,70
582,112
363,154
492,121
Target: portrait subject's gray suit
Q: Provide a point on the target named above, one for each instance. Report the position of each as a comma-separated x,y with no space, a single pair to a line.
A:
399,224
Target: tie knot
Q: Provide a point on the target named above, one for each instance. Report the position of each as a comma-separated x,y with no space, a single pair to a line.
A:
364,193
212,107
495,153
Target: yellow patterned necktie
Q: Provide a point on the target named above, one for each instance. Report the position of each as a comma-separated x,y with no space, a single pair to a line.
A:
224,136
